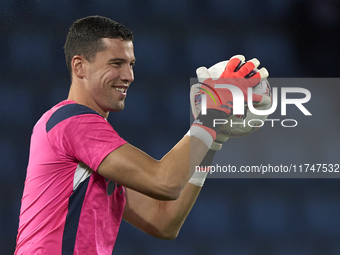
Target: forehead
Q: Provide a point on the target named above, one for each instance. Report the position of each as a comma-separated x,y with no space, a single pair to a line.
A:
117,48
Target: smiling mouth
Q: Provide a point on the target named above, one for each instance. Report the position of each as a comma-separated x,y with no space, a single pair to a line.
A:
121,89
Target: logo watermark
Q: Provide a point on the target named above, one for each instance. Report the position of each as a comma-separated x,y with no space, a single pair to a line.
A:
239,104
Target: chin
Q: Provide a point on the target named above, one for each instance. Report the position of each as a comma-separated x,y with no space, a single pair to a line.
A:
118,108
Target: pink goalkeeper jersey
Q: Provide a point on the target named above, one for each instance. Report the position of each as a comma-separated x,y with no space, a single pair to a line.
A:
67,207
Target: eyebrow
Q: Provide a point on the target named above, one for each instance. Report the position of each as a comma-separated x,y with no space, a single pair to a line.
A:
120,60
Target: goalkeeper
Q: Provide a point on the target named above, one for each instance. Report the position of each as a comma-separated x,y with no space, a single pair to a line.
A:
83,178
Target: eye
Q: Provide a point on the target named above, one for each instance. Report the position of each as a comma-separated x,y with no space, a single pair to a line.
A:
116,63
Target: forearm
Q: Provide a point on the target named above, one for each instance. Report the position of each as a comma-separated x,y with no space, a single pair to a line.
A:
161,219
187,154
164,219
176,212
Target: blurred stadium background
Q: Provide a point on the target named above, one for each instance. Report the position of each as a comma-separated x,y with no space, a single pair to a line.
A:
292,38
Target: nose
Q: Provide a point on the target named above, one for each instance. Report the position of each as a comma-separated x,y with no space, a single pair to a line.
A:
127,74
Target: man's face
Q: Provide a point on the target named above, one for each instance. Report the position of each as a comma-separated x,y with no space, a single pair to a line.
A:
110,74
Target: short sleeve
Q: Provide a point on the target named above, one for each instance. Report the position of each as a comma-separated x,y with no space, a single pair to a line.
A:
87,138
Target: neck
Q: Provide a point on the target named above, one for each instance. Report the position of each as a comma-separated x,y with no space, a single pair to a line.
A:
80,97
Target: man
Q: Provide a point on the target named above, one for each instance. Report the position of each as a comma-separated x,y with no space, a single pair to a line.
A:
83,178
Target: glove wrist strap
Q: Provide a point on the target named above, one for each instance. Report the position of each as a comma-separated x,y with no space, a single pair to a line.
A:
202,134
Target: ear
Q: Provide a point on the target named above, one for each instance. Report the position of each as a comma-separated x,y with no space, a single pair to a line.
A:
78,66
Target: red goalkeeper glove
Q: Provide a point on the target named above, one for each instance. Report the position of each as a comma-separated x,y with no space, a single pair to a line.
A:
219,101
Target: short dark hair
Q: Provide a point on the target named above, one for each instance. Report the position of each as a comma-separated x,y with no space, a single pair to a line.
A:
85,37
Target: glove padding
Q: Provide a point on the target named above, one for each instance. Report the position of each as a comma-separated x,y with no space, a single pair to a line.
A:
236,72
